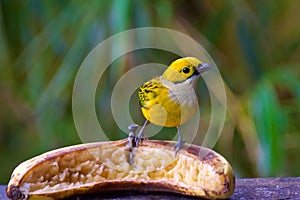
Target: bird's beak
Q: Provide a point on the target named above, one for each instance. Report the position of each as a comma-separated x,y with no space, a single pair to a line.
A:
203,67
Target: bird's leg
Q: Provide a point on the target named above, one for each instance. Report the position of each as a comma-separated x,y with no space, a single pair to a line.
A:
131,141
140,136
179,141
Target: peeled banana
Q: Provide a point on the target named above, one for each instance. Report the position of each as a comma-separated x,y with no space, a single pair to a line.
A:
105,166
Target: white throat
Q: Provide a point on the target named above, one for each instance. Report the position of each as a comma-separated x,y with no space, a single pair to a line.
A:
182,93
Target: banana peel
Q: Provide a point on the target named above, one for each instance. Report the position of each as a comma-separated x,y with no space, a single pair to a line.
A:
104,166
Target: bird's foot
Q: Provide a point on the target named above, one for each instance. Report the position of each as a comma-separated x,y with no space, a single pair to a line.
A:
178,146
139,139
131,137
131,141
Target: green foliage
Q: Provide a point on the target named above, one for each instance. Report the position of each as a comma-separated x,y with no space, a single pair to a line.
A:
255,43
271,125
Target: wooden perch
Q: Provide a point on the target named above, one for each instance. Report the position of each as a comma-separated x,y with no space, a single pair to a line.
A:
255,188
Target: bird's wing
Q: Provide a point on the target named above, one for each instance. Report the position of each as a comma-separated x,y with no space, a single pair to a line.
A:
149,92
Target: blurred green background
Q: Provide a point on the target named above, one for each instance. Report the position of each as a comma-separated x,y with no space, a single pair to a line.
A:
256,45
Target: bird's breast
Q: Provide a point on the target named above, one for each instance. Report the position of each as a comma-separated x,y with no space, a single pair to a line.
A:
182,93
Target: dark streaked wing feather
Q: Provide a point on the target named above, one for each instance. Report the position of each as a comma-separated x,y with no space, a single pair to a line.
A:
149,92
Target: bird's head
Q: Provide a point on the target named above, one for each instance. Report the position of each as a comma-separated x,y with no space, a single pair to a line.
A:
184,69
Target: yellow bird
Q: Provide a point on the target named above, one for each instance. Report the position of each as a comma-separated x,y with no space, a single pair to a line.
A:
170,100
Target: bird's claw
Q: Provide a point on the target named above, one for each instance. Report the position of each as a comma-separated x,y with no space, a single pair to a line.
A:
131,141
178,146
139,139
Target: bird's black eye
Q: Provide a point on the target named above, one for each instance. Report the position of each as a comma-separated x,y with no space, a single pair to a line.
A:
186,70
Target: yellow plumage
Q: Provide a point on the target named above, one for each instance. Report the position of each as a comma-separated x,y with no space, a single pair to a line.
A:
168,107
170,100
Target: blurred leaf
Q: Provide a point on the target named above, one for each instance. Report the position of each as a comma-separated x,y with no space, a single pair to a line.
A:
120,15
164,12
216,23
271,124
284,76
250,48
